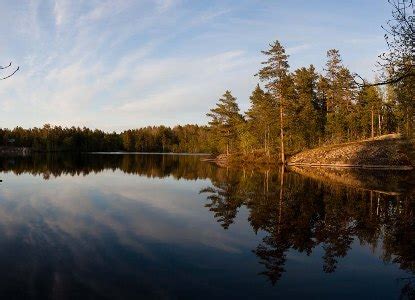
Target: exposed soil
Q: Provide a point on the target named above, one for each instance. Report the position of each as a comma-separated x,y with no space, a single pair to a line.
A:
385,152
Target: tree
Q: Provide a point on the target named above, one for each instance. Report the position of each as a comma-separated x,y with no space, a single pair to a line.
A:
278,82
370,105
340,92
128,140
225,120
400,34
405,92
305,109
398,61
261,119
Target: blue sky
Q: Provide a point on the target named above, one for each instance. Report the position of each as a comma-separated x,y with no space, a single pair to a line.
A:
124,64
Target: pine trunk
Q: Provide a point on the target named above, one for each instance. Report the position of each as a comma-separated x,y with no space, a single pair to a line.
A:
380,124
407,123
268,150
265,141
227,145
373,129
282,134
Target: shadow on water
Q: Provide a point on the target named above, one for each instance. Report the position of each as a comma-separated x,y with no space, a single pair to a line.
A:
302,211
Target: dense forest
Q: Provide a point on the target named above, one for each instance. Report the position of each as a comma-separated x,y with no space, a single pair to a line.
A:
187,138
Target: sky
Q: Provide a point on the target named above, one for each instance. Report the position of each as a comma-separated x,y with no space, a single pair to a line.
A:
115,65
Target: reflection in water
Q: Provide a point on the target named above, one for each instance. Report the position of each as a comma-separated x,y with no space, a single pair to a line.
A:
132,228
159,166
301,213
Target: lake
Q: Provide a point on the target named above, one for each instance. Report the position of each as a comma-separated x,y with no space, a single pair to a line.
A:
172,226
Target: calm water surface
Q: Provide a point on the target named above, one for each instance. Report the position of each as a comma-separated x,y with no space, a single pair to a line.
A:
173,227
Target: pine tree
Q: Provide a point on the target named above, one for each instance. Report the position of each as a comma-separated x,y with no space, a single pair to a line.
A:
278,82
226,121
390,120
369,106
340,97
405,92
261,118
305,109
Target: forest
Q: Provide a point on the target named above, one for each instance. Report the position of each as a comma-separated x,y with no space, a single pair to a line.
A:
306,109
187,138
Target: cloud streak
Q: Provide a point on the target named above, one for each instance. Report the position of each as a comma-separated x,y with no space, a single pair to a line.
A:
120,64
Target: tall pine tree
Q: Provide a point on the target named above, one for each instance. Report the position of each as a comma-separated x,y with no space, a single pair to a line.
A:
340,96
278,82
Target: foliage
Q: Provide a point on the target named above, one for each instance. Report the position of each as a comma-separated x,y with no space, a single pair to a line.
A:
303,109
225,121
188,138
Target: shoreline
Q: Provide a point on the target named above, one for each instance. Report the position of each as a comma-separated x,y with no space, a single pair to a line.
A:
388,152
352,166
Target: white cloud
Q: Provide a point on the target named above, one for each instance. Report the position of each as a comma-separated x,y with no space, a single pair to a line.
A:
106,8
179,85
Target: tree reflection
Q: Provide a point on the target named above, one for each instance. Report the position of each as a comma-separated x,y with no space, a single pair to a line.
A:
224,199
408,289
301,214
153,166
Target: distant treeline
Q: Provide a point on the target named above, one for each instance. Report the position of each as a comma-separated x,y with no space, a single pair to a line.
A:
187,138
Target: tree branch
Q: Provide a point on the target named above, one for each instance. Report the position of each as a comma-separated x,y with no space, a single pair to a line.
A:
10,74
5,67
392,80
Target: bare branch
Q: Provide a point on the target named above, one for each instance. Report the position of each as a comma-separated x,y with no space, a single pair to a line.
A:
8,76
392,80
398,62
5,67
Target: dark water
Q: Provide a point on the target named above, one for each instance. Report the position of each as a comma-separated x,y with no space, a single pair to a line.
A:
173,227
